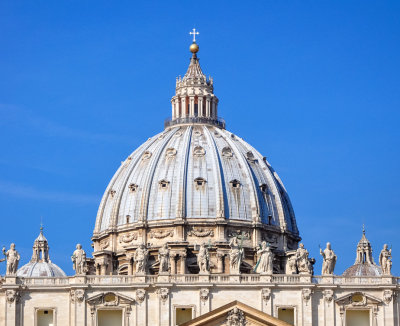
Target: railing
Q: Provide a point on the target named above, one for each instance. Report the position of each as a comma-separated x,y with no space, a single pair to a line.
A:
124,280
219,122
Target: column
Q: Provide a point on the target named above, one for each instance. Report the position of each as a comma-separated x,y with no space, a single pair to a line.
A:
141,307
214,113
306,316
12,298
183,101
130,264
200,106
163,307
183,262
191,101
172,262
329,308
208,108
220,262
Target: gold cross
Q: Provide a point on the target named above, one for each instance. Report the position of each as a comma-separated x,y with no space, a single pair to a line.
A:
194,33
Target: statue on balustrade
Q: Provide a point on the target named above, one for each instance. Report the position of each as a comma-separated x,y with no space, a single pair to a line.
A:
163,258
385,260
79,260
203,259
265,260
329,262
140,257
236,256
302,262
12,257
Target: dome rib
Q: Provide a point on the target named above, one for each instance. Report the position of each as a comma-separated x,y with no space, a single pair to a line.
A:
255,209
217,171
154,160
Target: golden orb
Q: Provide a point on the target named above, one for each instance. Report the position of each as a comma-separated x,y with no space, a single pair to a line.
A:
194,48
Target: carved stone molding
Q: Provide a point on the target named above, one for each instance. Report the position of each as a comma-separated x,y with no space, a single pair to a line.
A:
236,317
266,294
306,294
127,238
245,234
328,295
12,295
204,294
104,244
140,295
200,232
387,296
77,296
161,234
163,294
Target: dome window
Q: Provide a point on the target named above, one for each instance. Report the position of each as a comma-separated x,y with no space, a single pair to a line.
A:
264,187
250,157
146,155
163,184
170,152
199,151
133,187
227,152
128,219
112,193
235,184
199,183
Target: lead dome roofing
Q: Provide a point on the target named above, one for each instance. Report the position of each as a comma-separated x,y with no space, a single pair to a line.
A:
195,171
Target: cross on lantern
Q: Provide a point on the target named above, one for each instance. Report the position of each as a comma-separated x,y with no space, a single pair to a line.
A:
194,33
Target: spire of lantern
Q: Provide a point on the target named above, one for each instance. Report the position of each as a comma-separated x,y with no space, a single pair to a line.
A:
194,100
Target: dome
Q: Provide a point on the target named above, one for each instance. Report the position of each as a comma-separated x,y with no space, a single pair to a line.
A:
196,172
193,183
45,269
40,264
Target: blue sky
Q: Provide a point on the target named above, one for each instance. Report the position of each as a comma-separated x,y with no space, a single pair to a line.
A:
313,85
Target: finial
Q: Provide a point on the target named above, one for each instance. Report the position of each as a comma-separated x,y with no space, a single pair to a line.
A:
194,48
41,224
363,228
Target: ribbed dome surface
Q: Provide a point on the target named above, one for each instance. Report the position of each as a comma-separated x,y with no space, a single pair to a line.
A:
195,171
41,269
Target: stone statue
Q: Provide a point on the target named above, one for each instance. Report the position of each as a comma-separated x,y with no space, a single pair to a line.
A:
385,260
203,259
330,258
163,258
140,257
79,260
13,258
265,261
236,256
302,262
291,265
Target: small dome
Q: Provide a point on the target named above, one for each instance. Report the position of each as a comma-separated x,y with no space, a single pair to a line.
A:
364,264
363,270
45,269
40,264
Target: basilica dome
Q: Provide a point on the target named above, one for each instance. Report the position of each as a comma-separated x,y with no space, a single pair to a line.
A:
193,182
40,264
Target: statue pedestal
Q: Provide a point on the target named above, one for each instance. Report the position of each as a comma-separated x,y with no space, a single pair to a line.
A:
234,278
327,279
387,279
78,279
11,279
163,278
265,278
140,277
204,278
305,278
